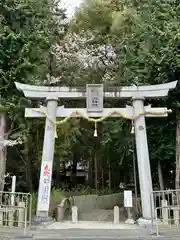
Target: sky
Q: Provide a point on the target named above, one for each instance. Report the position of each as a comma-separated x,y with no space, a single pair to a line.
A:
70,5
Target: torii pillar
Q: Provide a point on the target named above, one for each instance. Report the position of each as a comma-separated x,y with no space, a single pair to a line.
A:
146,188
138,94
144,168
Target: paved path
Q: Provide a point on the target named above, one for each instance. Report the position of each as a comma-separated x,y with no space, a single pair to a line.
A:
90,225
78,234
131,233
92,234
73,234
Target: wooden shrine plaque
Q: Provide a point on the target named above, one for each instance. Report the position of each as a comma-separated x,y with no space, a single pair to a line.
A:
94,97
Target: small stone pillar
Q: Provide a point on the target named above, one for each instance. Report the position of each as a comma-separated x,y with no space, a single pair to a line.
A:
60,213
10,217
1,216
164,212
21,215
74,214
176,216
116,215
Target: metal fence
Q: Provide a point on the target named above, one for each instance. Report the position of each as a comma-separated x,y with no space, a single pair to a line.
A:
15,209
166,208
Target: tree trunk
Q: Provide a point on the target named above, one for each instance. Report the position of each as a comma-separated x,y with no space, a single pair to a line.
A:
96,173
110,178
28,165
90,172
178,158
2,151
58,176
160,176
102,178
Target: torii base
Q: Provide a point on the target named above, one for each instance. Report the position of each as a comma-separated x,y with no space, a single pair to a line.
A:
144,221
147,222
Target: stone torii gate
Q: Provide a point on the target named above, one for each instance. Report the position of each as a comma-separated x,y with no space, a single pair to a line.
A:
94,95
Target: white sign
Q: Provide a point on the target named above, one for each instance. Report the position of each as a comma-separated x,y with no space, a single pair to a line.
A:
45,186
128,199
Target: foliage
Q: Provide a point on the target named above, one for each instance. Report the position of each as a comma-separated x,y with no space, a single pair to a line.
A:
125,43
144,36
112,42
28,29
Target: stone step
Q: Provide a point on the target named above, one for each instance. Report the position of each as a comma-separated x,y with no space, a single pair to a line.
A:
104,215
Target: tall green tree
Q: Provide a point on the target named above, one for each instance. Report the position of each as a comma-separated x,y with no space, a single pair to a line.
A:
28,30
139,41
